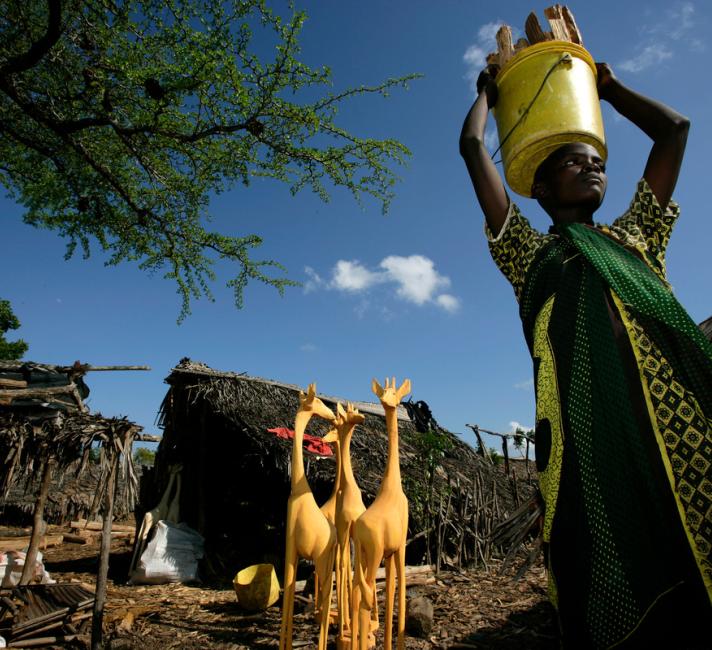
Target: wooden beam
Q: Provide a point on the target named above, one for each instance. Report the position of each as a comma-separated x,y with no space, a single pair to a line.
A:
533,30
571,26
504,44
557,23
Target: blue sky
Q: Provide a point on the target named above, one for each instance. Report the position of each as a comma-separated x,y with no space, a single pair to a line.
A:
413,293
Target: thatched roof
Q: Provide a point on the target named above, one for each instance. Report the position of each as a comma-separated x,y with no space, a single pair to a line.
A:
44,422
236,473
41,390
706,327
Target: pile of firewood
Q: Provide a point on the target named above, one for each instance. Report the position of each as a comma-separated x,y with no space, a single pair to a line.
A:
41,615
563,28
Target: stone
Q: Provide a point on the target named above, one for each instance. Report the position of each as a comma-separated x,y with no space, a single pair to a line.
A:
419,617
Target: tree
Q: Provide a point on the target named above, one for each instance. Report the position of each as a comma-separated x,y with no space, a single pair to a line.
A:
144,456
8,321
119,119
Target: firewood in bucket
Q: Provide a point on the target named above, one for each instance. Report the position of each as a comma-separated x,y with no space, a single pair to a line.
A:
563,28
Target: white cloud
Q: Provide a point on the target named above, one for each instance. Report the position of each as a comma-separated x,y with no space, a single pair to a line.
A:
491,139
308,347
448,303
488,32
649,56
514,425
663,39
475,56
414,278
513,451
353,276
527,384
314,282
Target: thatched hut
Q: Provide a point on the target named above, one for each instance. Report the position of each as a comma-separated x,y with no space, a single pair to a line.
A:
706,327
236,474
45,427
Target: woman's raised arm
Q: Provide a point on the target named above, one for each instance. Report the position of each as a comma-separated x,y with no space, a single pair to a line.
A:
483,173
664,126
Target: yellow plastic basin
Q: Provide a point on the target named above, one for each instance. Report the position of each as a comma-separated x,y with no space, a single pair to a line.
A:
256,587
566,110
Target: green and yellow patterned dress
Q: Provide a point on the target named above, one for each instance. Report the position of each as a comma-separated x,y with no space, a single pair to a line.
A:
623,382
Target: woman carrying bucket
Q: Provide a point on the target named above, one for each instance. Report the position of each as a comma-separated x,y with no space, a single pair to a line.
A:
623,376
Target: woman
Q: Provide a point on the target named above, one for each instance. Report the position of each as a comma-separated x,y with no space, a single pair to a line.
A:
623,386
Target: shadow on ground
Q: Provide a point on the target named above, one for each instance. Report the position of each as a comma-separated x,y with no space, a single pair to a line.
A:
534,629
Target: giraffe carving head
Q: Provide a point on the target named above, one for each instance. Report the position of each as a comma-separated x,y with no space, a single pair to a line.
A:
347,417
389,395
310,403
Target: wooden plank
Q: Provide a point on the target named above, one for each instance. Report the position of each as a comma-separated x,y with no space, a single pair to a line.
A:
12,383
98,525
557,23
533,30
33,392
504,44
571,26
18,543
521,44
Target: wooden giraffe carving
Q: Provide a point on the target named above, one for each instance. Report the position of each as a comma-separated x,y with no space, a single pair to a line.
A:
309,534
349,507
329,508
380,534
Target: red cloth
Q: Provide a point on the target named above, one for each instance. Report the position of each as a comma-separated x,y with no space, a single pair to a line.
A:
311,443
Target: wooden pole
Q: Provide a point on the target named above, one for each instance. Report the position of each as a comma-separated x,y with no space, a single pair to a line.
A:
102,575
482,449
37,521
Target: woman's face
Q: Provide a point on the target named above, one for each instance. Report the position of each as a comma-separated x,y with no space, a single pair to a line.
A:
575,176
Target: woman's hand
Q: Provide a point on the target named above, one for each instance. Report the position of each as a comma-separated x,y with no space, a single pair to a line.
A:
486,83
606,80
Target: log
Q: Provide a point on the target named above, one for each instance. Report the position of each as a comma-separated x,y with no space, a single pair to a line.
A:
69,538
12,383
35,392
418,572
45,640
533,30
83,524
18,543
521,44
557,23
504,44
571,26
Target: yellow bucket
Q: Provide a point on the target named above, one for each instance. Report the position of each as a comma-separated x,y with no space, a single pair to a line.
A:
556,82
256,587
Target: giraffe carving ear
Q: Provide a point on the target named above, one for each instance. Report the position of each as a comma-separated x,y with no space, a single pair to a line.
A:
377,388
340,410
311,393
403,390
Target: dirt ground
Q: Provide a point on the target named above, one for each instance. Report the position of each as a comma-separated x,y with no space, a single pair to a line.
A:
474,609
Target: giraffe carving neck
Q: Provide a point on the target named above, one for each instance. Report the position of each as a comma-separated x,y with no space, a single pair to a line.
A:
392,476
346,466
298,476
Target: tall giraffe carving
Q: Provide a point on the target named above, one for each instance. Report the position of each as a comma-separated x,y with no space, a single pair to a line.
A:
309,534
349,507
380,534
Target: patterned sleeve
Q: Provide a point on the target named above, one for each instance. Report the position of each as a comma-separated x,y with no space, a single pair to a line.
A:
515,247
647,227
